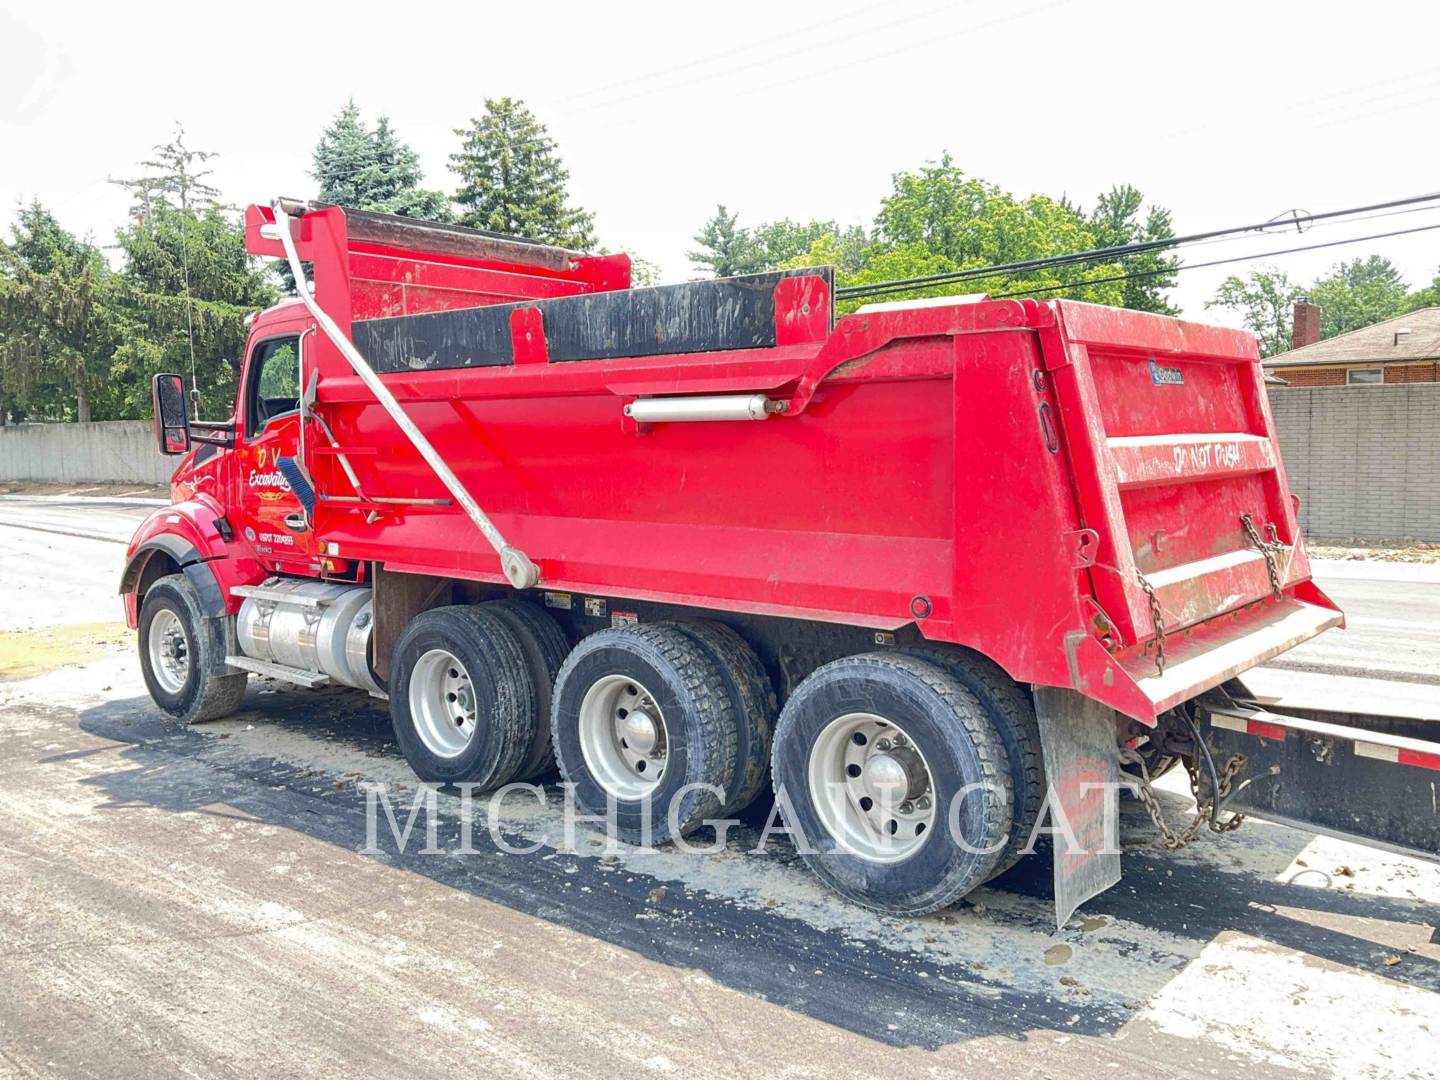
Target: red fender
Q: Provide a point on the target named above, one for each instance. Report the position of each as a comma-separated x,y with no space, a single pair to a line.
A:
194,536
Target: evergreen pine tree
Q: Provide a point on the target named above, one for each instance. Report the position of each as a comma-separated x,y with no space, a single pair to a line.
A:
512,180
726,248
372,169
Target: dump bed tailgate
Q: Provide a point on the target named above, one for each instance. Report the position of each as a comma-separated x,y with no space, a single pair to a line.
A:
1199,563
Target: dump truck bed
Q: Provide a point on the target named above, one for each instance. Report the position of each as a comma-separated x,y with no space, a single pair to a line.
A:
1061,486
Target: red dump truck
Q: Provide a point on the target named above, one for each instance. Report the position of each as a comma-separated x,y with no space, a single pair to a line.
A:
935,563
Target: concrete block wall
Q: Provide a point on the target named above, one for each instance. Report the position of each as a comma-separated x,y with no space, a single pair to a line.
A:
117,451
1365,460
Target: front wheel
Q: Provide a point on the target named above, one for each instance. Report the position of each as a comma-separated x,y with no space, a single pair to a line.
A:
894,782
182,654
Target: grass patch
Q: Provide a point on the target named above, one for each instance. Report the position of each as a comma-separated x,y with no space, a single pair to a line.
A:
26,653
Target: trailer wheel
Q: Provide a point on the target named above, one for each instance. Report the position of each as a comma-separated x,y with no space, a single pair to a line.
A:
752,698
545,648
1011,710
182,654
462,700
884,764
641,721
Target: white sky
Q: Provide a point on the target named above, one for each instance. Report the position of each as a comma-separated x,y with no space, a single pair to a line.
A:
1226,112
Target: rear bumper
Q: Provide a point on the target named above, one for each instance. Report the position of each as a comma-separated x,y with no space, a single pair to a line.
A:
1220,649
1201,657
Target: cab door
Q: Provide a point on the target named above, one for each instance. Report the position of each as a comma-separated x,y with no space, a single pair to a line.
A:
271,518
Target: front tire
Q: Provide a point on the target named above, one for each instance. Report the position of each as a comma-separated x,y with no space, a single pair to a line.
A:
872,756
182,654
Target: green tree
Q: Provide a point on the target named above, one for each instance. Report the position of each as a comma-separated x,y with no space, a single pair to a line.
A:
512,179
781,242
725,248
1119,218
972,224
186,285
173,177
849,250
57,326
1429,296
1265,300
1359,293
371,169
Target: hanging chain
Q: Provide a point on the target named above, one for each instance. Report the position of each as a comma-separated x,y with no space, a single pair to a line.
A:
1268,548
1157,619
1173,839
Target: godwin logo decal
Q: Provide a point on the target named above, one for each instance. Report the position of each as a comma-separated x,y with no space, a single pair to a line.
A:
1166,376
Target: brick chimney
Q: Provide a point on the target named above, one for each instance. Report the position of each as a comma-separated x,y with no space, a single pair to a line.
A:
1307,324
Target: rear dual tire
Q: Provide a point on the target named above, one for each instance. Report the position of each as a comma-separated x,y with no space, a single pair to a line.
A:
1011,710
644,729
462,700
882,763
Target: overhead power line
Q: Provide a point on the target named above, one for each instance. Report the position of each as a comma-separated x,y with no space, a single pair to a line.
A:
1082,283
1122,251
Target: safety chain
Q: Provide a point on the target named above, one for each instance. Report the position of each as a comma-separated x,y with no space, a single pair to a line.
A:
1157,618
1268,548
1172,839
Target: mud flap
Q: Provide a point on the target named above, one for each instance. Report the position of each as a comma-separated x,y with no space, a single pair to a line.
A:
1077,736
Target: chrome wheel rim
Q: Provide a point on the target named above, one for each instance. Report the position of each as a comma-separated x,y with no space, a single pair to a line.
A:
872,788
442,703
169,651
623,737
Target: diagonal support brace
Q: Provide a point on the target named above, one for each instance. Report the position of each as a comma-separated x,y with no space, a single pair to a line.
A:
516,565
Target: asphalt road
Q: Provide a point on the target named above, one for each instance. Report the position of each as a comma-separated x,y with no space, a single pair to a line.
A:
176,901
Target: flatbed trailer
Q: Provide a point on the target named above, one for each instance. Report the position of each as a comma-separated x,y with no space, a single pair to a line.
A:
677,538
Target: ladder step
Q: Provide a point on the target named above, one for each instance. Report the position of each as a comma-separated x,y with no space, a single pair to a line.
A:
284,672
1145,460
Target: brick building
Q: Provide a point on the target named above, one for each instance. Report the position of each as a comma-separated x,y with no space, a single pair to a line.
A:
1405,349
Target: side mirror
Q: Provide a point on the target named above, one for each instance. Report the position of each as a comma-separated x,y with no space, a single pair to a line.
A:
172,425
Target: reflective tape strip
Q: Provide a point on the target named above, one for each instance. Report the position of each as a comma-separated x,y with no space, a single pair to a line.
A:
1376,751
1398,756
1247,727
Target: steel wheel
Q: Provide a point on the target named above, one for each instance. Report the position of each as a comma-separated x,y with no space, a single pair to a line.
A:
169,651
872,788
442,703
623,737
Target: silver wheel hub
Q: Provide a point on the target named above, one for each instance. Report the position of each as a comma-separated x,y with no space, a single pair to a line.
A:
169,650
442,703
640,732
623,738
871,787
894,776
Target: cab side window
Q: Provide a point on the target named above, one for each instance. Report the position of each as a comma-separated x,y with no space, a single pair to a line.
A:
274,387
